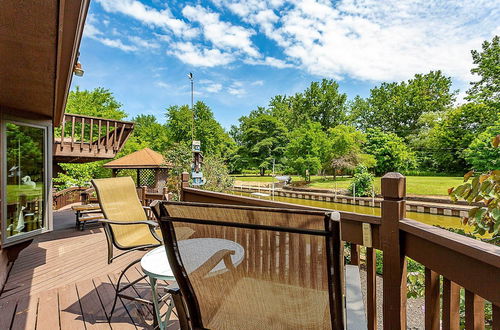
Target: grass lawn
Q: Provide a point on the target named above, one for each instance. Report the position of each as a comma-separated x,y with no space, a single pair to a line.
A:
415,185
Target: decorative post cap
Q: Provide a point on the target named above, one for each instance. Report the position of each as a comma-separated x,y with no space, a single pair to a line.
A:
393,185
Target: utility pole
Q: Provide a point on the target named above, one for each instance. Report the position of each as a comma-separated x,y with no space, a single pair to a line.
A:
191,78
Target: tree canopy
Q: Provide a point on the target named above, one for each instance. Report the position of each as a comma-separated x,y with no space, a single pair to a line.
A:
396,107
261,140
487,88
99,102
214,139
389,150
307,149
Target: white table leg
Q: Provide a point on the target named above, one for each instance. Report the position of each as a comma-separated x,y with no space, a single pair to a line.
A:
162,324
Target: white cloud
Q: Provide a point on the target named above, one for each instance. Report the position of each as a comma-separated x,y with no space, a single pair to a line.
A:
237,89
145,44
213,88
221,34
270,61
238,92
198,56
149,16
373,40
116,43
163,84
258,83
91,31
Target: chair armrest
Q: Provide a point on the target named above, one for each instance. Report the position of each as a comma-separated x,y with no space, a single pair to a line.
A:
208,265
146,208
150,223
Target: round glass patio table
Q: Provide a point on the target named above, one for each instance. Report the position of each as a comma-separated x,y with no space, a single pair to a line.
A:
155,264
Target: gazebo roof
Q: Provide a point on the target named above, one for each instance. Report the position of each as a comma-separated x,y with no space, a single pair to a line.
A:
145,158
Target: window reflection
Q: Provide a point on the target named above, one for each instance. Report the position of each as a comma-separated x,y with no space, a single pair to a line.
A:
25,178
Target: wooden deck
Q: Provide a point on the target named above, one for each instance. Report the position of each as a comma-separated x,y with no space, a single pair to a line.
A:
62,281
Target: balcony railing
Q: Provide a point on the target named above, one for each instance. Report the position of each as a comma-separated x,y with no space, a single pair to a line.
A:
83,138
452,262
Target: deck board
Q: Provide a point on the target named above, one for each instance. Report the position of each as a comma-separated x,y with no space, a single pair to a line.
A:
92,310
48,311
26,313
120,318
69,308
8,309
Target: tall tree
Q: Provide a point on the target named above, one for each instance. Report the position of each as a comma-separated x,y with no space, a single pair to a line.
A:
345,151
214,139
99,102
482,153
487,88
262,140
397,107
454,133
321,102
148,132
389,150
307,149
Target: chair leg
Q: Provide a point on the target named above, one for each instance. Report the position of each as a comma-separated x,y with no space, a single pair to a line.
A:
117,287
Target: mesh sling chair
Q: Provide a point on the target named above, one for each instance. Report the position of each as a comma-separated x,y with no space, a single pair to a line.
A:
126,225
289,277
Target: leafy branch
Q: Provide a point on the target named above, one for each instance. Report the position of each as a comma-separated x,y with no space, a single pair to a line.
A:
484,189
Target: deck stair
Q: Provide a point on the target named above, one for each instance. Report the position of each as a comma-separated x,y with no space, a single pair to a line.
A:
84,139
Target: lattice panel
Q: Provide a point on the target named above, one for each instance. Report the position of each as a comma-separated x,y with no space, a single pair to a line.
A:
147,178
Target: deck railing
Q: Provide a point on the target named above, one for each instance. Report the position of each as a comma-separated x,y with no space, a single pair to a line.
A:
85,138
452,262
67,196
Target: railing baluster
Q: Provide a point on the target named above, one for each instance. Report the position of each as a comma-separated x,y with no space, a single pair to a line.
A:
371,288
474,311
120,137
99,138
114,136
72,132
451,305
82,137
107,135
354,254
431,299
62,131
91,146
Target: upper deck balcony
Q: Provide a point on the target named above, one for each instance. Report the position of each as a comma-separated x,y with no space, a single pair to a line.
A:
86,139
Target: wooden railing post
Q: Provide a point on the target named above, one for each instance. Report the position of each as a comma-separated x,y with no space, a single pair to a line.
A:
394,262
184,183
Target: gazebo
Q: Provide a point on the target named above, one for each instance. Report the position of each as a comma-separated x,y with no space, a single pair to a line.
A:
150,166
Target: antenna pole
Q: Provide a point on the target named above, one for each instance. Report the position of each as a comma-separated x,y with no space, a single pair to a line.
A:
191,78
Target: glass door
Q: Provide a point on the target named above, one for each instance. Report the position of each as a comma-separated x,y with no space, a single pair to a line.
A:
24,181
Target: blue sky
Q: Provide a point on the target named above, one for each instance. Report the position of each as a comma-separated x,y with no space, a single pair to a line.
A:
244,52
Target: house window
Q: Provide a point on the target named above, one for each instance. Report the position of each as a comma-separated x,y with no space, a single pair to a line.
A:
25,180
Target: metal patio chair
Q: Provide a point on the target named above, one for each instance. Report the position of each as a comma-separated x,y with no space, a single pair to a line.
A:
126,225
290,275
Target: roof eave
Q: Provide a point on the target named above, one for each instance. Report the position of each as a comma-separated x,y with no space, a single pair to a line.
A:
68,44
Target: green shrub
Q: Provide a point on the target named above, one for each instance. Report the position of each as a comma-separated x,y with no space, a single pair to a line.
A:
362,185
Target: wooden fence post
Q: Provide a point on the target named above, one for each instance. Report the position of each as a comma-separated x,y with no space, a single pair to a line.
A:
143,195
394,261
184,183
